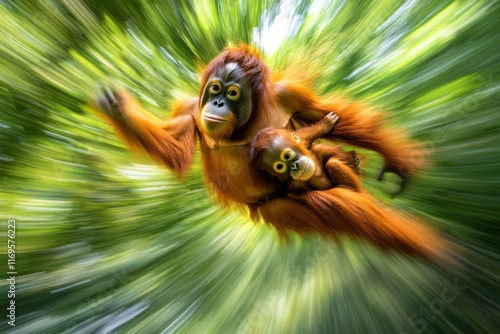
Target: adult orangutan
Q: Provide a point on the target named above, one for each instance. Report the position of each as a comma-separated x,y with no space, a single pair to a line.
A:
238,98
301,167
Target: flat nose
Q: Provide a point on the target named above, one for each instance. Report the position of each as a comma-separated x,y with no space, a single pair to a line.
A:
218,104
295,166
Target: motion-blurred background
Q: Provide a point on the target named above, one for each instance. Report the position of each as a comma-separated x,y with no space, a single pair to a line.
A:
107,241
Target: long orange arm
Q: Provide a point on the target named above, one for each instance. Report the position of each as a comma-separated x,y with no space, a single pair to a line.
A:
171,143
357,125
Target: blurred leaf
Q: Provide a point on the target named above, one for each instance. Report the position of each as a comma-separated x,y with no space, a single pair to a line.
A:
109,242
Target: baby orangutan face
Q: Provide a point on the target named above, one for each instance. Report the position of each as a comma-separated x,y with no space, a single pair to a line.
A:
282,156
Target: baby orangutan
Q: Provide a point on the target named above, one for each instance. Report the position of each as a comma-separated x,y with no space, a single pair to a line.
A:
346,208
301,166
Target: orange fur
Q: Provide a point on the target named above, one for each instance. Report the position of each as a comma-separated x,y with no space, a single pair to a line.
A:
234,180
344,211
357,126
343,206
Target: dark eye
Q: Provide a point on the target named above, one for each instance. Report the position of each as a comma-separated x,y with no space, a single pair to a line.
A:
215,87
280,167
233,93
287,154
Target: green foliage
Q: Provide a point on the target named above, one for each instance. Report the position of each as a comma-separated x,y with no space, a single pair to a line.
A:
109,242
